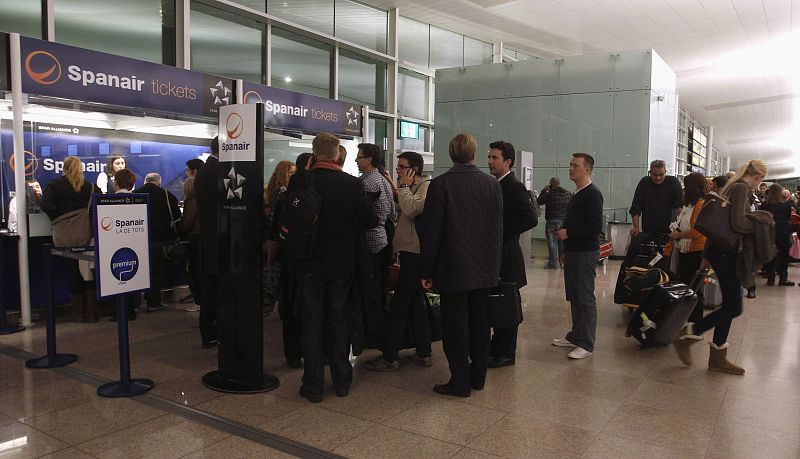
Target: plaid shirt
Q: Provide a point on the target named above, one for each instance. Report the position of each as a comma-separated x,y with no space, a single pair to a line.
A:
374,182
555,201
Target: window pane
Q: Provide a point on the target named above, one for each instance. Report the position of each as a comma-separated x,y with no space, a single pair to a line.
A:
141,29
314,14
361,25
21,16
477,52
411,100
377,132
413,38
225,44
300,64
362,80
447,49
258,5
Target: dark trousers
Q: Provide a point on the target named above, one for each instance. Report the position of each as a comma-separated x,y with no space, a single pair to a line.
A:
157,265
77,286
504,340
289,309
208,309
465,337
580,270
408,300
325,317
724,264
193,275
688,264
780,264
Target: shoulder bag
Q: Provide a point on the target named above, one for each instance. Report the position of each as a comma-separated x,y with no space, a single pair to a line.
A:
714,222
74,229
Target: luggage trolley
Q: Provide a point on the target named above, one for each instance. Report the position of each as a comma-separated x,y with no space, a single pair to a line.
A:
645,251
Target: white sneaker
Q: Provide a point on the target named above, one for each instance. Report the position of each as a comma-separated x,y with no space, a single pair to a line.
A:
579,353
193,308
562,342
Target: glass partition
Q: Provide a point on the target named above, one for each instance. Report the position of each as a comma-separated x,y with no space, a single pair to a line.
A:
414,41
477,52
361,24
300,64
411,98
362,80
447,49
314,14
21,16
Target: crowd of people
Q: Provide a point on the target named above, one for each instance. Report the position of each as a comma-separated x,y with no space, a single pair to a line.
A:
457,234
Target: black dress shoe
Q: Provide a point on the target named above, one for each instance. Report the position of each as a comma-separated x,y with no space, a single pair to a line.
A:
313,398
497,362
343,392
210,344
447,389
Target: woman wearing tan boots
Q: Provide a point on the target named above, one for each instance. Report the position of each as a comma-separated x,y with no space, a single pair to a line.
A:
737,191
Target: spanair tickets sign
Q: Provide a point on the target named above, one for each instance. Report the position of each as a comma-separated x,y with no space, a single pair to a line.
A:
122,243
304,112
237,132
53,69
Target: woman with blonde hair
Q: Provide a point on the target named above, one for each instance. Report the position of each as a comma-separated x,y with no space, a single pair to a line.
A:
62,196
737,191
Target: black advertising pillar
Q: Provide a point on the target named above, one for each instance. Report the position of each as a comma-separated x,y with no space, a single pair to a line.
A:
241,236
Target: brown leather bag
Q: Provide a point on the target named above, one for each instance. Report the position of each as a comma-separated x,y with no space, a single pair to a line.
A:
714,222
74,229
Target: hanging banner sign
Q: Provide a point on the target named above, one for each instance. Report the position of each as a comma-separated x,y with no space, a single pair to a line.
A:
53,69
304,112
5,77
238,131
121,234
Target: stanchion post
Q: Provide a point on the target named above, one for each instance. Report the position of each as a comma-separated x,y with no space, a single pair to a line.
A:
53,358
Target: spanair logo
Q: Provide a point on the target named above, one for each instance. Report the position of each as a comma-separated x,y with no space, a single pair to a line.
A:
31,163
252,97
124,264
234,125
352,116
42,67
106,224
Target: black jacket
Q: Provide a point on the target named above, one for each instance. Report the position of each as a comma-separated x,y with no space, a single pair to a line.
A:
657,204
462,231
207,187
781,213
161,200
518,216
59,198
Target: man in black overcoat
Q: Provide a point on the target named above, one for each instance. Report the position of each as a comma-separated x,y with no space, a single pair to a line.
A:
208,186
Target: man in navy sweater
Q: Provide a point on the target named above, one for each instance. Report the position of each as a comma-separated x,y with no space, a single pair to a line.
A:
582,224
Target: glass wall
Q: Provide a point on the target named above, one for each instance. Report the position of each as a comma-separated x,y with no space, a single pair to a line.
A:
477,52
314,14
21,16
258,5
140,29
447,49
225,44
300,64
411,94
433,48
362,80
361,24
414,41
377,132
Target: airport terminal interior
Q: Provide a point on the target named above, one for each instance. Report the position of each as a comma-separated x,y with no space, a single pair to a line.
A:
705,86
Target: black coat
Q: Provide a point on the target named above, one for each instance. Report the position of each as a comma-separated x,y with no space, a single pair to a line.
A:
207,187
461,237
60,198
518,216
161,223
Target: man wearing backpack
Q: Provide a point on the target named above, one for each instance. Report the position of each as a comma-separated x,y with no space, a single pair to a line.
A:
326,274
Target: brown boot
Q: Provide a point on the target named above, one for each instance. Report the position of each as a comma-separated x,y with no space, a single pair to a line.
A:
90,313
78,306
683,342
718,361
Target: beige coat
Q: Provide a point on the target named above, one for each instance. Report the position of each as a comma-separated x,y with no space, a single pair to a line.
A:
411,203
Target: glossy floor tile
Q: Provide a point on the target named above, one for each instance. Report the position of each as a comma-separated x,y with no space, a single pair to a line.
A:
622,402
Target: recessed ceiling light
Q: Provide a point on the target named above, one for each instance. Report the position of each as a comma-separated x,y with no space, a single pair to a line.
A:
287,79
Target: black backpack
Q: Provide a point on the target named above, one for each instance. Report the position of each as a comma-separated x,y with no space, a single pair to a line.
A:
299,220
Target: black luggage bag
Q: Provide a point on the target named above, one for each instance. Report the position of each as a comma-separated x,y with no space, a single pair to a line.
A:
663,313
641,251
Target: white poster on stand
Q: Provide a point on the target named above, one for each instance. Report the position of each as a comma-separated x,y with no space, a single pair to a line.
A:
237,132
122,244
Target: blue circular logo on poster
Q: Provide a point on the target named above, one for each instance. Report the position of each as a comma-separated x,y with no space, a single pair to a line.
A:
124,264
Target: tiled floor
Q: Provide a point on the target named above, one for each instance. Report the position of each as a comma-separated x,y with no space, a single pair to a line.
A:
621,402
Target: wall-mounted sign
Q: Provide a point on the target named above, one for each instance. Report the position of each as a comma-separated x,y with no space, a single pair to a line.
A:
53,69
238,131
304,112
121,235
5,78
409,130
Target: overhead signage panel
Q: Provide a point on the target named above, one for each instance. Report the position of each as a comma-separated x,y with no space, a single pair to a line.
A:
122,243
5,78
53,69
238,131
293,110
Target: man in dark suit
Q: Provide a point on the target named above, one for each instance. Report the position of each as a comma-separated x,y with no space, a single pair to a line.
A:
164,215
518,216
461,241
325,278
208,186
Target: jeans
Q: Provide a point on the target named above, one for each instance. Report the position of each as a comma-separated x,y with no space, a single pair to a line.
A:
465,337
326,327
555,247
580,270
408,300
724,264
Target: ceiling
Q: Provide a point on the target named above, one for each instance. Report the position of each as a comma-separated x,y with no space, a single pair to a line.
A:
737,61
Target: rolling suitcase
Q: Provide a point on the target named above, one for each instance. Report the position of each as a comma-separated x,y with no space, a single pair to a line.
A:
663,313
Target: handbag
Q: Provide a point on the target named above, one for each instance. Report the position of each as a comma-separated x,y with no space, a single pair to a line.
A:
714,222
175,251
505,310
794,251
74,229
